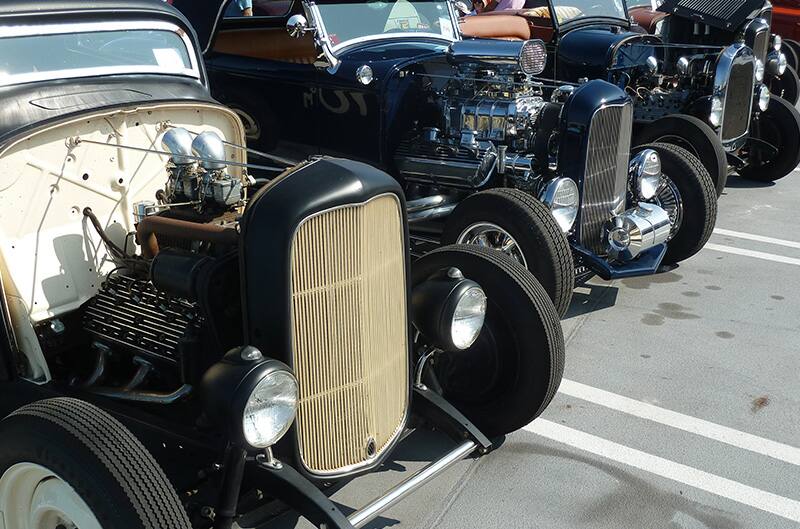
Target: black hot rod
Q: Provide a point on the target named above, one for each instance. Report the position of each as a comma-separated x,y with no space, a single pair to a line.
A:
184,345
483,157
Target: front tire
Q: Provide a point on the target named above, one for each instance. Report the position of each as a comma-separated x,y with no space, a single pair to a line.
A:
65,462
694,135
521,226
511,373
690,200
779,126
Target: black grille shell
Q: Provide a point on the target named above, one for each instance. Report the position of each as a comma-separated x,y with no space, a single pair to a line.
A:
605,178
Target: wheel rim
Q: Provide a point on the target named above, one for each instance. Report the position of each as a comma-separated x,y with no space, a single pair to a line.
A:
33,497
493,236
669,198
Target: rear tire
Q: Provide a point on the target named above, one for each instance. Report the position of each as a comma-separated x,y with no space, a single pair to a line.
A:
696,196
779,126
86,453
543,247
786,86
511,373
694,135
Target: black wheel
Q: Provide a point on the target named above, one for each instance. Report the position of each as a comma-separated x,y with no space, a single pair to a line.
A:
689,198
522,227
779,127
791,48
511,373
72,465
786,86
695,136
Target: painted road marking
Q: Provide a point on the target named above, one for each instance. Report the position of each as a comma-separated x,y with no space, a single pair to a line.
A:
687,423
723,487
759,238
752,253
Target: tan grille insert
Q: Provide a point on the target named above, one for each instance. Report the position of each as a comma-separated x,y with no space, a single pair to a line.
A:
350,334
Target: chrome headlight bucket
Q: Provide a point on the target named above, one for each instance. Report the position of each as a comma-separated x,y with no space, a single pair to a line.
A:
256,397
759,70
562,197
644,172
763,95
717,108
449,310
776,63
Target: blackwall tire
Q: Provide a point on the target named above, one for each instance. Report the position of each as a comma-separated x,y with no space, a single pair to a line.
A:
699,201
543,245
779,126
80,448
694,135
511,373
792,50
786,86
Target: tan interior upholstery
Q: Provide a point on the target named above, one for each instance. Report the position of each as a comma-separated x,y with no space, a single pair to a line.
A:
267,43
509,24
646,17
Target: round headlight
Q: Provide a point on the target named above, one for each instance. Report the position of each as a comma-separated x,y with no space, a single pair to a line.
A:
777,42
270,410
763,98
468,317
759,70
646,169
683,65
715,116
562,197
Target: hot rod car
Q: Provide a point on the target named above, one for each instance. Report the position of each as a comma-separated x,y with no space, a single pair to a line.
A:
483,157
185,345
707,98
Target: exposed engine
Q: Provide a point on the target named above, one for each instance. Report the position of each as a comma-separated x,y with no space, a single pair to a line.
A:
161,317
486,122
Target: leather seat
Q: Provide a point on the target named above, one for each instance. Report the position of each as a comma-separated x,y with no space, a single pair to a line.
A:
508,24
273,44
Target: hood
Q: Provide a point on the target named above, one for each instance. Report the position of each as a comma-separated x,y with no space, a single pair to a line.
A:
588,52
724,14
204,15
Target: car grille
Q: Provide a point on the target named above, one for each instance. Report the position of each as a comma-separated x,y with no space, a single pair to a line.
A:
604,181
738,99
350,334
761,45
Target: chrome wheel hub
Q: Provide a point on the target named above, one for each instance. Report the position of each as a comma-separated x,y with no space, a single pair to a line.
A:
493,236
669,198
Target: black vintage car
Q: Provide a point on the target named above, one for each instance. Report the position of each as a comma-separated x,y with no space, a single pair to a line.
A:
483,157
707,97
185,345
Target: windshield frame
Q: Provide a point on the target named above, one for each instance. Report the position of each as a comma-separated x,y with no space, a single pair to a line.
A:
594,19
312,9
99,27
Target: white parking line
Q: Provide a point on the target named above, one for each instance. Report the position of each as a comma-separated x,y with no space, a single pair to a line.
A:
752,253
758,238
723,487
687,423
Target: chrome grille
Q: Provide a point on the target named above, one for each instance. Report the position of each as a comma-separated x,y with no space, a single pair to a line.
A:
350,334
738,99
604,181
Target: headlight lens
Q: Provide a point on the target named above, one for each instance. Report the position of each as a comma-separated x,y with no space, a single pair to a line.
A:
468,317
715,117
646,169
562,197
759,70
270,410
777,42
763,98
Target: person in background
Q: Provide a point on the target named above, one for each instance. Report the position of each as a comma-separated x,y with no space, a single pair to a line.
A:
240,8
481,6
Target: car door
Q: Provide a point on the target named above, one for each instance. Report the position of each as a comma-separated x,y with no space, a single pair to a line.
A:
266,76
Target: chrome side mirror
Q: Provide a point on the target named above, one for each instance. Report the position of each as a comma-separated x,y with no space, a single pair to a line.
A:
297,26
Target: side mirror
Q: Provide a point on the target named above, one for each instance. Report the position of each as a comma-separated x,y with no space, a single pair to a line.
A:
297,26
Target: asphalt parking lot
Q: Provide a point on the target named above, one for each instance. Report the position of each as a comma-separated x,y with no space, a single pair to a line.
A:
680,406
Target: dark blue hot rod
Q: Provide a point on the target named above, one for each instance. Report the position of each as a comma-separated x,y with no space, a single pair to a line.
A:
483,156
